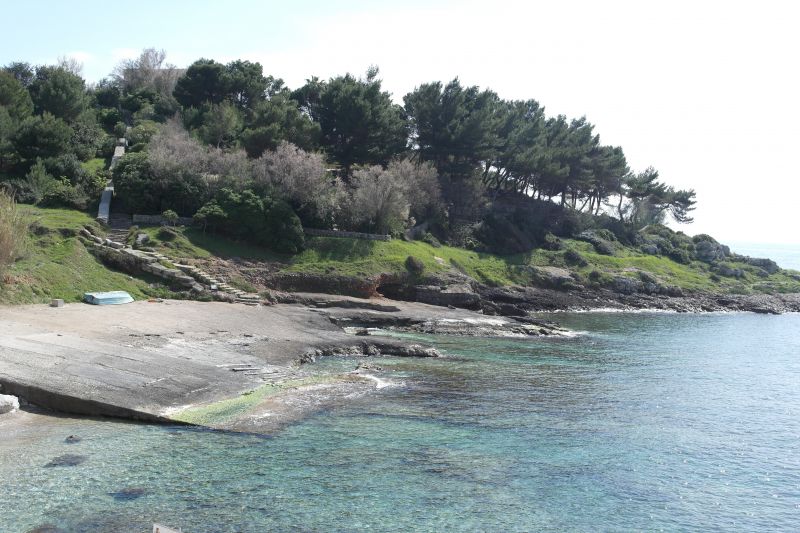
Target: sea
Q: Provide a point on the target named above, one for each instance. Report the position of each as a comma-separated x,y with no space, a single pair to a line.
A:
786,255
637,422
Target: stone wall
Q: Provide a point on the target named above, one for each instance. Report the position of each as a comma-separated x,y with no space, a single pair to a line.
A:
346,234
158,220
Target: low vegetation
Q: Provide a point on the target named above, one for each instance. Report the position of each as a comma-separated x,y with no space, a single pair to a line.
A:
58,265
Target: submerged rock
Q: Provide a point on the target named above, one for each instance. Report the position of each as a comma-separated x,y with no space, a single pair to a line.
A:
66,460
46,528
72,439
128,493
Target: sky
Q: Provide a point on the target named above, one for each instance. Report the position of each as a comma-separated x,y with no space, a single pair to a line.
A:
705,92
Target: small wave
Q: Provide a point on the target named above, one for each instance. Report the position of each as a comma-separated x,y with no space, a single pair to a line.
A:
382,383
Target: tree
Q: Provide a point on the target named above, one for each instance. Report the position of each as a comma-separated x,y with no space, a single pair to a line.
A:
211,216
279,119
420,183
246,84
136,185
455,127
205,82
650,200
23,72
147,71
14,98
42,136
37,183
284,228
300,178
221,124
378,201
359,123
521,154
170,217
59,92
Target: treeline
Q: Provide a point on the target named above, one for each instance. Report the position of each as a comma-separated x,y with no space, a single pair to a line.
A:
333,153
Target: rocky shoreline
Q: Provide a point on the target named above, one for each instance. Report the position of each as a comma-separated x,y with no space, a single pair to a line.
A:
178,361
183,361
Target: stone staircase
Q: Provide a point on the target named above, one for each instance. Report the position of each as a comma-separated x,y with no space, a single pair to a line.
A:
205,279
188,276
119,224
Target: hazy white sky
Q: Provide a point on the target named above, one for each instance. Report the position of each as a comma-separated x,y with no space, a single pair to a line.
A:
703,91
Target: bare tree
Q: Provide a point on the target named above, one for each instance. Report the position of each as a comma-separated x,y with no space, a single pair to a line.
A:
173,151
148,71
300,177
378,200
420,181
71,65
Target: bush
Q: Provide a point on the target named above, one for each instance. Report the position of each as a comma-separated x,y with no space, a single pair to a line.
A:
429,238
13,232
284,228
574,258
170,217
63,194
414,266
166,234
551,242
600,279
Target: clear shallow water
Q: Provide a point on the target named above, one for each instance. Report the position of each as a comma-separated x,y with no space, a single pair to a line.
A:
646,422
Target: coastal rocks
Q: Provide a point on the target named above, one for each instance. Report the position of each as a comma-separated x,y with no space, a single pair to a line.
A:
601,240
728,271
370,349
770,266
625,285
553,278
361,287
142,239
710,251
457,295
8,404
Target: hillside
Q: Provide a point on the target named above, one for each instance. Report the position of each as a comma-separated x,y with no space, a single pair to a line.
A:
59,264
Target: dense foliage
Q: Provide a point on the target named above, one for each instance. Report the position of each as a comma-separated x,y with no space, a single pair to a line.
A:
251,158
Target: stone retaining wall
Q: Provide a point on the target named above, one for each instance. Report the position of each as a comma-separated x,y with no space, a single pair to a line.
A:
158,220
346,234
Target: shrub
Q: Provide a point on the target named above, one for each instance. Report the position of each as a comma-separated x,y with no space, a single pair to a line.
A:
551,242
429,238
13,232
63,194
170,217
120,129
414,265
166,234
572,257
284,228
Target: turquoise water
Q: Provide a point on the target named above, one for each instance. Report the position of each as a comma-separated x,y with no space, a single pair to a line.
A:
644,422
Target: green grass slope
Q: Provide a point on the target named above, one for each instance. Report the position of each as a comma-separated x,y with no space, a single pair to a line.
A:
369,258
58,265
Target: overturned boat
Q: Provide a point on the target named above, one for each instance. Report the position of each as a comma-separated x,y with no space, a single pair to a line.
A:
107,298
